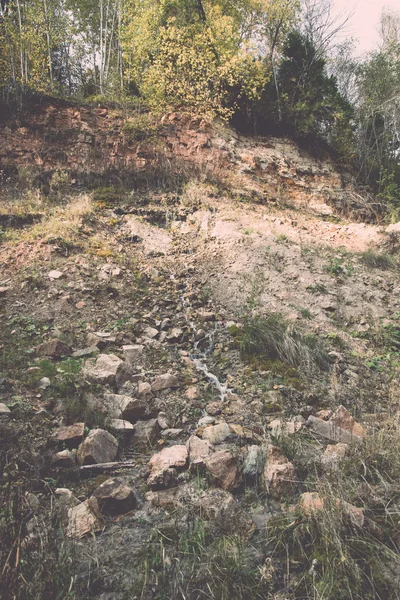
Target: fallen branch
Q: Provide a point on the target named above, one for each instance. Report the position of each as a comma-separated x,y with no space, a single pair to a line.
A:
111,466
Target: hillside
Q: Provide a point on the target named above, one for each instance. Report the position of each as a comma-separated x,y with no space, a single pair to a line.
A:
199,366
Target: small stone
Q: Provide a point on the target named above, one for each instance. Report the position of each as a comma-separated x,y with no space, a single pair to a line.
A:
115,496
84,518
55,274
4,290
54,349
70,435
216,434
99,447
4,410
223,469
199,450
65,458
163,478
80,305
163,382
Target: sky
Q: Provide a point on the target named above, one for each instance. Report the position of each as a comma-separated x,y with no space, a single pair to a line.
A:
364,22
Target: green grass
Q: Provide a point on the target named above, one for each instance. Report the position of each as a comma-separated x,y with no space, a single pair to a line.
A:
274,338
375,260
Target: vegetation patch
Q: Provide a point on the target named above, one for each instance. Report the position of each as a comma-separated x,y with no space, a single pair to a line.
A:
274,338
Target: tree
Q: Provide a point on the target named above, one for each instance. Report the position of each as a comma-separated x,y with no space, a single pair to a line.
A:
312,106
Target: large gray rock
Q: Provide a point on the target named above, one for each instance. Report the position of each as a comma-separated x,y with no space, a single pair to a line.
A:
99,447
104,370
115,496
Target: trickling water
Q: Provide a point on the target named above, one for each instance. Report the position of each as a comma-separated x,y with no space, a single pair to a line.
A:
199,356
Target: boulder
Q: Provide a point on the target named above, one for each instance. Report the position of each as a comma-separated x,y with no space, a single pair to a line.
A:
54,349
279,473
223,470
115,496
84,518
216,434
220,507
175,456
163,382
99,447
104,370
70,435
